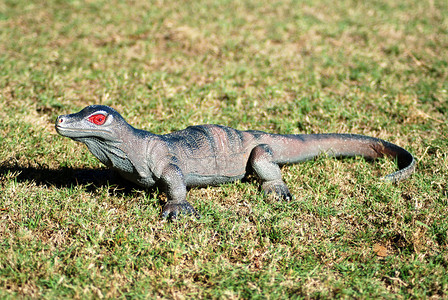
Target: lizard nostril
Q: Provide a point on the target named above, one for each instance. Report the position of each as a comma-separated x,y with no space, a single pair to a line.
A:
60,120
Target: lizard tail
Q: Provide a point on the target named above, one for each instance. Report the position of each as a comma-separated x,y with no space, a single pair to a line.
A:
296,148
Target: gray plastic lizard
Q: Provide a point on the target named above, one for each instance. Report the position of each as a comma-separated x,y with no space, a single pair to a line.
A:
211,154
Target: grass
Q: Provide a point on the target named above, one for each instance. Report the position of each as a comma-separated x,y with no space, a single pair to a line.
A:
69,228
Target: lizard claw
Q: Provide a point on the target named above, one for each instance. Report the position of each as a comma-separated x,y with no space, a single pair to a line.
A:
174,210
278,190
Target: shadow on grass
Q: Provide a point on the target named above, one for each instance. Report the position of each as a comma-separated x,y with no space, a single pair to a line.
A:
67,177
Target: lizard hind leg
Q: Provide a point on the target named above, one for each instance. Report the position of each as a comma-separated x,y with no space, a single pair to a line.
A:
261,161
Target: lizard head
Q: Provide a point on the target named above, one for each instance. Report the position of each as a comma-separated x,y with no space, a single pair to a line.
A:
95,121
103,130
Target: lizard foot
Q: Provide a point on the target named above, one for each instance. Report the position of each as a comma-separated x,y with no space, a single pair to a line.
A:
277,188
174,210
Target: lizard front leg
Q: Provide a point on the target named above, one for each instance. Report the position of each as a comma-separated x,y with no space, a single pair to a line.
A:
173,181
269,172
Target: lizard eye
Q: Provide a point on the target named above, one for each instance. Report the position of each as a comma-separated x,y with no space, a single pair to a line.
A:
98,119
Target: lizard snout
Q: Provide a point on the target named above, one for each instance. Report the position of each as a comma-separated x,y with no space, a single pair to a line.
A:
60,122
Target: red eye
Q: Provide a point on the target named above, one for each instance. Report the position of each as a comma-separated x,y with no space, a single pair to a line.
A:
98,119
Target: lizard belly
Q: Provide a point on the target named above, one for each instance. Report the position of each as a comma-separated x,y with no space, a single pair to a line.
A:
196,180
213,171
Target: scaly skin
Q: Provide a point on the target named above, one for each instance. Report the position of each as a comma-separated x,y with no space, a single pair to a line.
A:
211,154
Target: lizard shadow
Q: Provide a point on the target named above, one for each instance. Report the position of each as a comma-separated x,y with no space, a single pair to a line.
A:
90,179
66,177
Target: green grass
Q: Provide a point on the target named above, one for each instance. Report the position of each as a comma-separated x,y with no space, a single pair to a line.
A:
71,229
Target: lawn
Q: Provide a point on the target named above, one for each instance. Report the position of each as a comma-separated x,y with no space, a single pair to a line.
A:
70,228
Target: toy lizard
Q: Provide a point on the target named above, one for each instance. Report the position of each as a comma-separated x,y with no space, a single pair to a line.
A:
211,154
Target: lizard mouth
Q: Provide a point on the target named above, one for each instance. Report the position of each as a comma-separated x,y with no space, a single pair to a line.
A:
82,133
